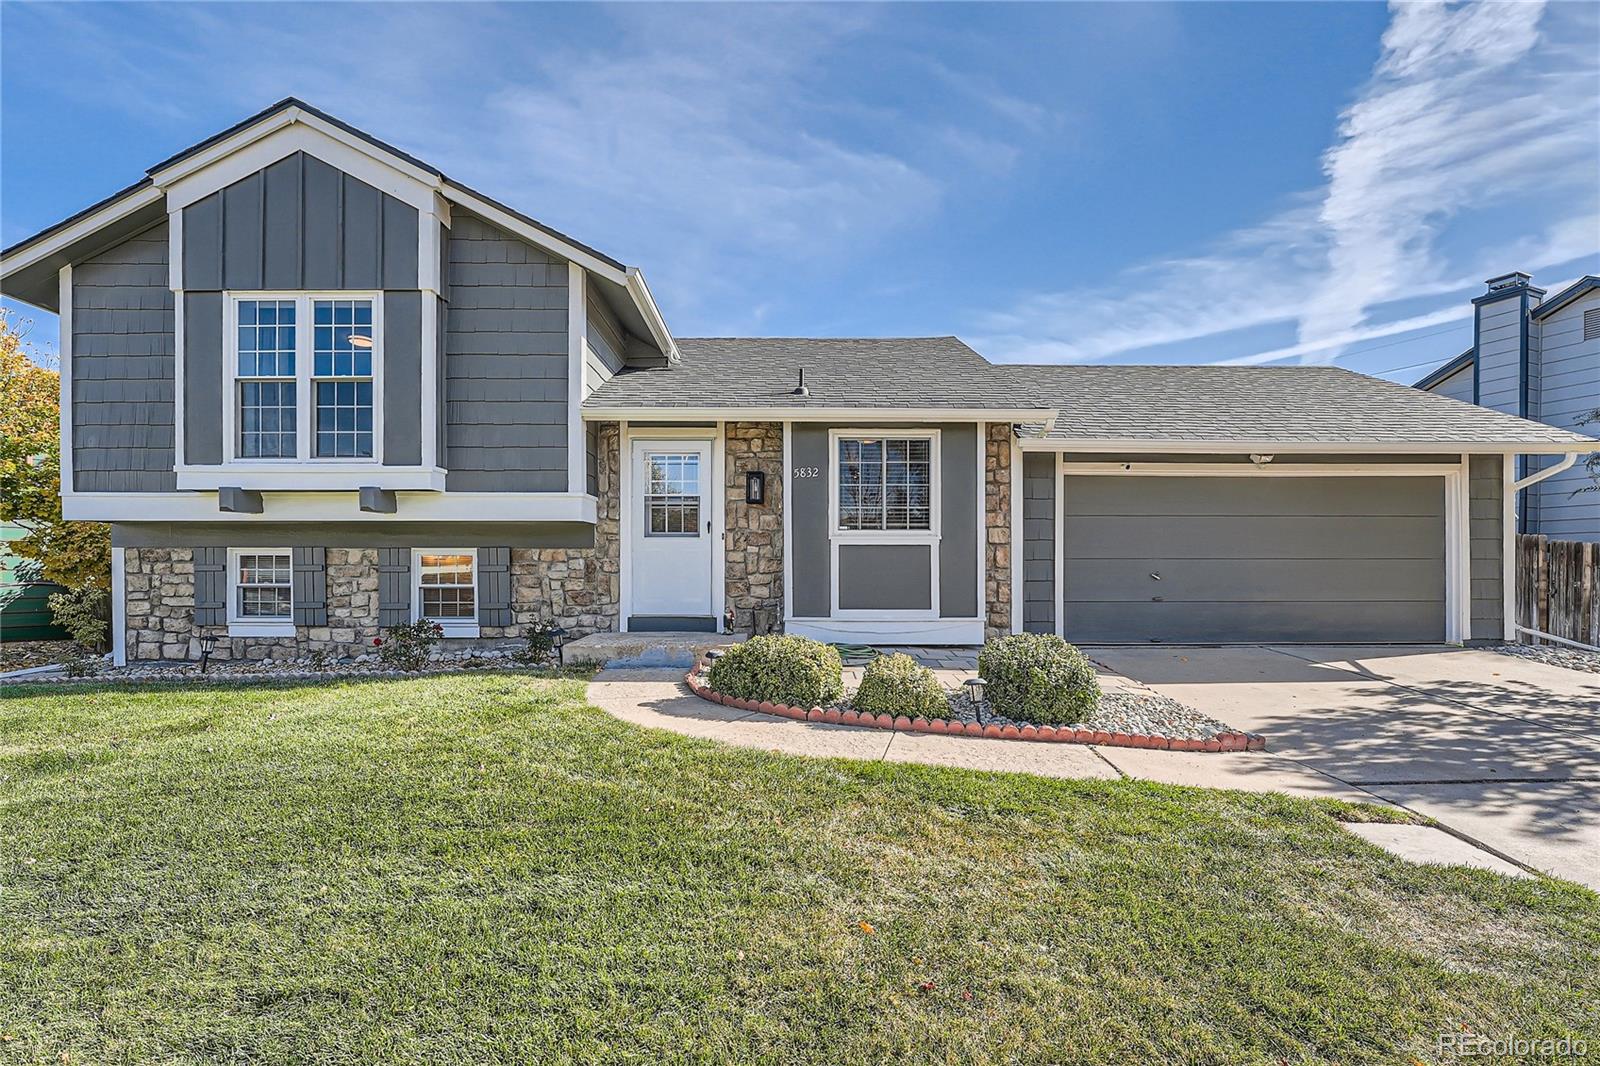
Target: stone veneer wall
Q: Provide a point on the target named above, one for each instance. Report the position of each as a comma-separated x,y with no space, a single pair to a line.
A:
579,589
997,502
754,550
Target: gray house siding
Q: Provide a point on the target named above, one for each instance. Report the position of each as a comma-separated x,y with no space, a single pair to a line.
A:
1039,542
1457,386
898,580
1485,519
122,368
402,378
299,224
603,358
505,345
1567,390
1499,342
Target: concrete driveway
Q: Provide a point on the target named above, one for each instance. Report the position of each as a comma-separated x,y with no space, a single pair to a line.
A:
1503,750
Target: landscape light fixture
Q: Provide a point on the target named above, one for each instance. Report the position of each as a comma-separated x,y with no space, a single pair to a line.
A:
207,642
977,687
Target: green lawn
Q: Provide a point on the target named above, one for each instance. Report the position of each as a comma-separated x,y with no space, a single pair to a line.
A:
482,868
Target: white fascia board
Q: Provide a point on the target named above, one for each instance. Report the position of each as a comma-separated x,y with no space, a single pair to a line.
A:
290,116
646,303
1442,447
290,477
532,234
84,227
1284,468
332,507
815,414
349,154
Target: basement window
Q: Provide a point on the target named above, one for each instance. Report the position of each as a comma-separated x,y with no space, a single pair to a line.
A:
260,592
446,590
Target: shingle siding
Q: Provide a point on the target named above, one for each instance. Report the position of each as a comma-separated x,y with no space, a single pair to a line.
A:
1566,390
603,358
505,349
1039,542
1500,355
1486,543
122,368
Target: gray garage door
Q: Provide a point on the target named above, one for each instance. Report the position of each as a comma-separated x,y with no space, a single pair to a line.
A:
1225,559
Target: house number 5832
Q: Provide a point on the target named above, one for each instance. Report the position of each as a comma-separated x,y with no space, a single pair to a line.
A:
807,471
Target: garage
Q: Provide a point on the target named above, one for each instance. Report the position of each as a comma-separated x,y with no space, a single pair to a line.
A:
1235,559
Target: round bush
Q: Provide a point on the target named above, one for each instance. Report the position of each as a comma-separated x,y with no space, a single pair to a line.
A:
898,684
792,670
1037,678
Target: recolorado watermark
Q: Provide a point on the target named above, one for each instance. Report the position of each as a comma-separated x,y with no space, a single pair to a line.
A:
1478,1046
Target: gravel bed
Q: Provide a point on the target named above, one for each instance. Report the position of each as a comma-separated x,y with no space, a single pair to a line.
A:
23,654
1554,655
302,669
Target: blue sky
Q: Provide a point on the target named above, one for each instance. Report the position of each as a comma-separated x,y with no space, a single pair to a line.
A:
1190,183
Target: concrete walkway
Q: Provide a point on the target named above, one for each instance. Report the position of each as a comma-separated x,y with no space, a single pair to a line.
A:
1502,750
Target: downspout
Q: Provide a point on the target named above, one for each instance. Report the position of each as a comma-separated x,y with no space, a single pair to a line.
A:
1512,488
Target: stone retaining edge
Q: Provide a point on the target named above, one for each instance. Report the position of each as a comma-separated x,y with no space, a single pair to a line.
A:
1231,741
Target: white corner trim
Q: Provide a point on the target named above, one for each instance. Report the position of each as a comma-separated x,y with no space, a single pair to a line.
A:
175,251
577,366
179,441
624,529
123,206
64,356
119,606
719,526
1508,548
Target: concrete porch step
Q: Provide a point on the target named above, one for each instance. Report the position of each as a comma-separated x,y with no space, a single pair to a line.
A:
624,650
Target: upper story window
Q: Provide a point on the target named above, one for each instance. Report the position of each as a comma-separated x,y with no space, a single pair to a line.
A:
305,393
885,483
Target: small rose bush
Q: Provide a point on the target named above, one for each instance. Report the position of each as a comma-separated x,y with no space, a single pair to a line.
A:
898,684
1039,678
407,647
792,670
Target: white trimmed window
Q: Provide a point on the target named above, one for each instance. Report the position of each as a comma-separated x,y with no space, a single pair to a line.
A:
446,590
260,592
304,372
885,483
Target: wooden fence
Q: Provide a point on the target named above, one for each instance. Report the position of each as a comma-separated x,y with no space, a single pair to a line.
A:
1558,588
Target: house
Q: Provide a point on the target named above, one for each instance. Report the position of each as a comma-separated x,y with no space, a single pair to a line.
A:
1538,357
318,387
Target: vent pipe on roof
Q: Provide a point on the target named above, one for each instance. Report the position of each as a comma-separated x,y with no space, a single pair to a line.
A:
800,389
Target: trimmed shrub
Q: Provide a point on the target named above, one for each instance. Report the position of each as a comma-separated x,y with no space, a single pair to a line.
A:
792,670
85,613
1037,678
408,646
898,684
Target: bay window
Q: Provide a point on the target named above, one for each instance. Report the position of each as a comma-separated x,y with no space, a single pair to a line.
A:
304,373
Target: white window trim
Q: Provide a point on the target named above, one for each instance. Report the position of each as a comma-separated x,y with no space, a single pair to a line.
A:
305,403
929,537
238,625
453,627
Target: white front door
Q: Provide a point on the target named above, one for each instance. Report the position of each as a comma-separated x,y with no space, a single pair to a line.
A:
671,527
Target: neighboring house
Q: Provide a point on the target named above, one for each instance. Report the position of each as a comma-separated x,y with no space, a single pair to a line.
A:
24,597
1538,358
317,388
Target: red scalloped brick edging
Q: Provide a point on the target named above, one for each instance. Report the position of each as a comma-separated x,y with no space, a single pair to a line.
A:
1232,741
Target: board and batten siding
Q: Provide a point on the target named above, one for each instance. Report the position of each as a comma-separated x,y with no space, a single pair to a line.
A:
1566,391
122,368
300,224
505,347
1039,542
891,580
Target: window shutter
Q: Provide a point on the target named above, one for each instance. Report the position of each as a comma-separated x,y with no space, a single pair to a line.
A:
394,586
211,586
494,586
310,586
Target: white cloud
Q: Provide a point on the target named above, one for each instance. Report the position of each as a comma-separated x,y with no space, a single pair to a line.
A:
1469,107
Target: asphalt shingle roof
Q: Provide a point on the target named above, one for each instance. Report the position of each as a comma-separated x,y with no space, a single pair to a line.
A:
1182,404
729,372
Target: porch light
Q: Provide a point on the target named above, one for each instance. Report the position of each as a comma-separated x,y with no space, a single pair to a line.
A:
755,487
